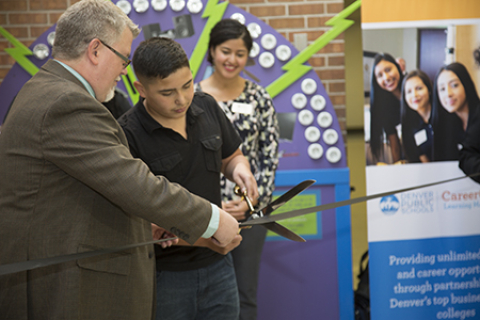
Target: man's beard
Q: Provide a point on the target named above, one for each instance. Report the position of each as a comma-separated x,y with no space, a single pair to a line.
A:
110,95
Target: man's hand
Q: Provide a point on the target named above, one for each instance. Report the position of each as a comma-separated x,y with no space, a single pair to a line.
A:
227,229
212,245
159,233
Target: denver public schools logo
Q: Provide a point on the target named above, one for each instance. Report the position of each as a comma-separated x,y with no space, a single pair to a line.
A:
389,205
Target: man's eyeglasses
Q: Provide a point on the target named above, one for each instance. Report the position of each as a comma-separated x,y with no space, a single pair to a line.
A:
121,56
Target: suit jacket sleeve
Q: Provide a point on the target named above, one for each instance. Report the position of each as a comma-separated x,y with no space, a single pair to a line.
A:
84,140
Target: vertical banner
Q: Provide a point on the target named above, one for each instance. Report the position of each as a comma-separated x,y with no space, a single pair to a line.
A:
424,245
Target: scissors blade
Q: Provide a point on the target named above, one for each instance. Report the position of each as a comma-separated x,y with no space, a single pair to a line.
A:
274,205
283,231
284,198
292,214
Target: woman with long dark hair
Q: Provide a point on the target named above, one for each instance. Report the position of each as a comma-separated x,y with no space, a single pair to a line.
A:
455,99
250,109
469,160
416,107
386,82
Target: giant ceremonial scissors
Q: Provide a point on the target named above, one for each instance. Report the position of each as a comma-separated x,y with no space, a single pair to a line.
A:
272,206
266,219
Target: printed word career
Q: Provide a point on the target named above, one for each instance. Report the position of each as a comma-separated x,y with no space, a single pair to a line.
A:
460,196
455,200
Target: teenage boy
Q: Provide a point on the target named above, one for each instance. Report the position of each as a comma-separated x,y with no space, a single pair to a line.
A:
187,138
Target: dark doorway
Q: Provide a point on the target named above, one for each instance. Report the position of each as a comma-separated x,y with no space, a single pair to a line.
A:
431,50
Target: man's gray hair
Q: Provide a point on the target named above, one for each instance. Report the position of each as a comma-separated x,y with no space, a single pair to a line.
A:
85,21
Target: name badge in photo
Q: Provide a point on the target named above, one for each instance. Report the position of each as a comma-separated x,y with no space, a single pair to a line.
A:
420,137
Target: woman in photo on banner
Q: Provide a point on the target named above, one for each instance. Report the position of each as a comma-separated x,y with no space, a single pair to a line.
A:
469,160
385,93
416,107
455,99
250,109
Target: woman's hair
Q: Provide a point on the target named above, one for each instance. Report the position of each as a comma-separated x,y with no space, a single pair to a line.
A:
225,30
408,116
443,122
476,55
85,21
378,99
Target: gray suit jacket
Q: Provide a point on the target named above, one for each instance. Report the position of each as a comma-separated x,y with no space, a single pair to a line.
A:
69,184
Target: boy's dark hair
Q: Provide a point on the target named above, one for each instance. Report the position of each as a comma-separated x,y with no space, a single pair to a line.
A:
158,58
225,30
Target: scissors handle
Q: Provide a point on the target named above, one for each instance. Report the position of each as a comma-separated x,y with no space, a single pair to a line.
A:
244,196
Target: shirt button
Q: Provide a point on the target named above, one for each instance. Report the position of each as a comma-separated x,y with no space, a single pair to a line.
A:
150,255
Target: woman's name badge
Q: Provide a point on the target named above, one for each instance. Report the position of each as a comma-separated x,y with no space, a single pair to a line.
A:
245,108
420,137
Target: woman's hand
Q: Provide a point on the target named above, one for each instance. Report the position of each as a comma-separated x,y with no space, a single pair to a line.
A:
237,208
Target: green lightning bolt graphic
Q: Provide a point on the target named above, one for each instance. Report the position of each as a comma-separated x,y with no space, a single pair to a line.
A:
214,13
19,52
128,81
295,68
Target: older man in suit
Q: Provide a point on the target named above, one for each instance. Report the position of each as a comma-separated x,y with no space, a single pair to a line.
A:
68,184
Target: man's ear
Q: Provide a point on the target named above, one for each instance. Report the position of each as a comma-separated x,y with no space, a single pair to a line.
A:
93,51
140,88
